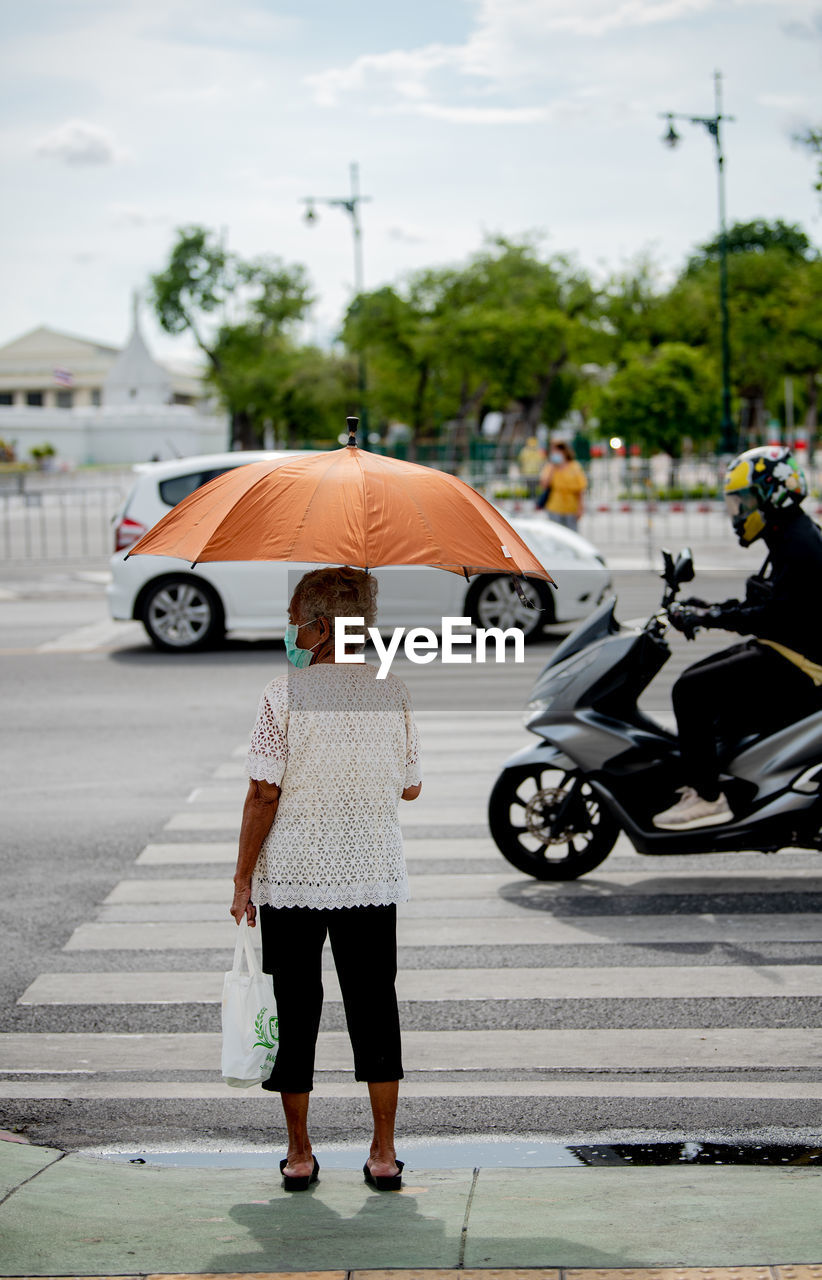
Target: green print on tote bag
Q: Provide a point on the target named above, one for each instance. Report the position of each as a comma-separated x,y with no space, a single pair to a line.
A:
267,1035
249,1037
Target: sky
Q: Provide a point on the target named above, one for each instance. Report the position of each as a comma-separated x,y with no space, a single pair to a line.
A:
122,121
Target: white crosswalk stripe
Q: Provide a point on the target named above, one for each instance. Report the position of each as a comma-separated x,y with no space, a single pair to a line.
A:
657,983
509,930
78,1090
95,636
475,932
438,1050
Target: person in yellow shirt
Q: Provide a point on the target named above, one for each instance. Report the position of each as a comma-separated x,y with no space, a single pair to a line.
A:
563,484
530,460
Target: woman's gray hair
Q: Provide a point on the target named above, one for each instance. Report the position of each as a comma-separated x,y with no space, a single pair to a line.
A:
337,593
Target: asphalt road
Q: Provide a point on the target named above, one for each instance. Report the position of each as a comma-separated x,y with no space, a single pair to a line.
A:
113,752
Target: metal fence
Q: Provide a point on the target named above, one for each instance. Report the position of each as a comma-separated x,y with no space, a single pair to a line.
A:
69,516
58,518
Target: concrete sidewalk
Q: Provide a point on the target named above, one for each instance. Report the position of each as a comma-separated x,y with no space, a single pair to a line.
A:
72,1215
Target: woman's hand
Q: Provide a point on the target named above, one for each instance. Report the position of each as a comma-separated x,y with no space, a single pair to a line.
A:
243,906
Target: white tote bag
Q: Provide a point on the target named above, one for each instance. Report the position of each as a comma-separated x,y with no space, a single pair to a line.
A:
249,1018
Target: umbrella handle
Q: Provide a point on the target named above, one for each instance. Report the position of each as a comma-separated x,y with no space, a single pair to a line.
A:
351,423
524,599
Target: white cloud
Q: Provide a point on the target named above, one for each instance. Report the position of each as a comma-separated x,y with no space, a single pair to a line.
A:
76,142
810,29
785,101
483,115
193,95
510,47
243,26
589,17
405,72
403,235
132,216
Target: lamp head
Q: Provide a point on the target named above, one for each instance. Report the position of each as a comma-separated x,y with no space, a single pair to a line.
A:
310,214
671,138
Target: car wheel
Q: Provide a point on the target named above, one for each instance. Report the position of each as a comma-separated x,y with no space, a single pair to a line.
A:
181,614
493,602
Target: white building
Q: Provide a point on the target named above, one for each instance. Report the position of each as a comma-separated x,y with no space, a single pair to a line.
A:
94,403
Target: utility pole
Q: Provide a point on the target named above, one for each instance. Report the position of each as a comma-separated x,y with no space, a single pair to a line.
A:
351,205
713,124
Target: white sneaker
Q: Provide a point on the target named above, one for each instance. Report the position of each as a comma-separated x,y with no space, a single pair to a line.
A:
692,811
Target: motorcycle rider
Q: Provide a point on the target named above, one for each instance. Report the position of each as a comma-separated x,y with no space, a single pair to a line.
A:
768,682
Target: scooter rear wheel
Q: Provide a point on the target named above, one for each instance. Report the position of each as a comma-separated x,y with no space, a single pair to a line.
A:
523,810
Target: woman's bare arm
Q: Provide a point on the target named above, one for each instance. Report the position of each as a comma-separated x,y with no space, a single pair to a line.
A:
259,810
411,793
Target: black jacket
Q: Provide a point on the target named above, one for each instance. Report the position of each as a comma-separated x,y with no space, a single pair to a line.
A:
783,602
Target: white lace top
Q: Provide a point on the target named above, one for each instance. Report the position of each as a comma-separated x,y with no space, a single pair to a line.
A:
342,746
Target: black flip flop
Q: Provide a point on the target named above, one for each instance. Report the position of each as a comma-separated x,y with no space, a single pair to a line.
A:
384,1182
300,1182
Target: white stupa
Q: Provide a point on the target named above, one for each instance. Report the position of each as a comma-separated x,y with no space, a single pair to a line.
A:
135,378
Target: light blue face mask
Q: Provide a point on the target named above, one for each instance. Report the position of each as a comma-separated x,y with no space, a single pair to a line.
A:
296,656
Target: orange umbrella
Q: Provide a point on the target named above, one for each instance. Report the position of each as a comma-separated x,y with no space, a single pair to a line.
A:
348,506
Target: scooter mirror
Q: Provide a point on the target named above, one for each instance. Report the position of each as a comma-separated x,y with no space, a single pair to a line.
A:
684,567
668,568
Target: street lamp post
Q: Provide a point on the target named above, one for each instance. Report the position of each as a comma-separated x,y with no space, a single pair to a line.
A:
727,440
351,205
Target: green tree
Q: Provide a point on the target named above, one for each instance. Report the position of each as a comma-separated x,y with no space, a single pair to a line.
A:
315,395
504,331
657,399
772,308
630,308
757,236
399,335
249,353
803,338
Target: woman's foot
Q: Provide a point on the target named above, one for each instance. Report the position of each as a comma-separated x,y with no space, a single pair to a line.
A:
298,1164
385,1174
299,1175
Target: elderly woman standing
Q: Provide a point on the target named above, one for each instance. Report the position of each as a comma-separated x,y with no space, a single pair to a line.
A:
332,753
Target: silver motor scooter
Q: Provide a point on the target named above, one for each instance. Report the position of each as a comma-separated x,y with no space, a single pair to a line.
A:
603,766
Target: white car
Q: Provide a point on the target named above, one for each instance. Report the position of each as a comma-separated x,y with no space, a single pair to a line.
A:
183,608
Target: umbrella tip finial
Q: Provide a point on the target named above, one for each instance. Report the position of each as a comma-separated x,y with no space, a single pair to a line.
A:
351,423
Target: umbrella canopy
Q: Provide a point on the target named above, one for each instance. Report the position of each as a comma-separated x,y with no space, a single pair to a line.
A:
347,506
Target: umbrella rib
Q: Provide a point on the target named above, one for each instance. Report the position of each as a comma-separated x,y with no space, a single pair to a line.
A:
304,518
424,521
427,525
364,494
258,482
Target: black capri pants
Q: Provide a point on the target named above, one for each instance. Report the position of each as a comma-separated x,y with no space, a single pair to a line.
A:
364,946
747,688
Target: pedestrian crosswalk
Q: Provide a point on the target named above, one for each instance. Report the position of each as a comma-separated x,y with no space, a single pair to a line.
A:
658,983
694,980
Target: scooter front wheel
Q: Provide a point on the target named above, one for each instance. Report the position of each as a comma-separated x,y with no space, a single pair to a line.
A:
548,823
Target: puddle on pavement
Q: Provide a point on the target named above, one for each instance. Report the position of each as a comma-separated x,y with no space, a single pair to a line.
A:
484,1153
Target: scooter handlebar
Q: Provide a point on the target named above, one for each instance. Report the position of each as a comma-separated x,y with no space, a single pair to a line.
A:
686,619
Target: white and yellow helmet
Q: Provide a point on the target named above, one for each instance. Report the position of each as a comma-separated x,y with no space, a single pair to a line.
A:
758,484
